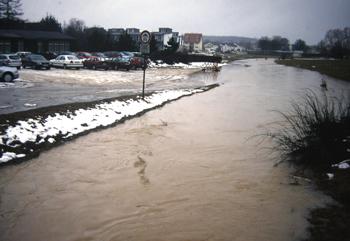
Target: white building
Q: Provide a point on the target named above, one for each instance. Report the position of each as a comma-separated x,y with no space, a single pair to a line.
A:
193,42
231,48
163,36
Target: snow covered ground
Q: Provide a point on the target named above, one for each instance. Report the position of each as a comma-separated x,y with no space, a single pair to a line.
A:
194,65
19,139
102,77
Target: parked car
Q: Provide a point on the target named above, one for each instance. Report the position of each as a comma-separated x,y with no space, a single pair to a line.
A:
83,55
66,53
137,62
11,60
121,62
67,61
96,63
112,54
35,61
8,74
136,59
50,55
99,55
23,54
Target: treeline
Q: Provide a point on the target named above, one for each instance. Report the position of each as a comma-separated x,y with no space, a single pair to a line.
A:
86,38
336,44
275,43
92,39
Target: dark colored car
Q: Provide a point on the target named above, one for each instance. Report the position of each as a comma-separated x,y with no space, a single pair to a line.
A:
99,55
83,55
136,59
112,54
96,63
35,61
121,62
50,55
137,62
66,53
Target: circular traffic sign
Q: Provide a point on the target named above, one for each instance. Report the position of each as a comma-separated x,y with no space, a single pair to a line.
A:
145,37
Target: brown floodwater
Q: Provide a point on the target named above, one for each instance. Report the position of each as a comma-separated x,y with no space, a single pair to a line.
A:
188,171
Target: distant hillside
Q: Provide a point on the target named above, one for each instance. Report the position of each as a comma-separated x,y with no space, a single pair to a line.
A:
228,39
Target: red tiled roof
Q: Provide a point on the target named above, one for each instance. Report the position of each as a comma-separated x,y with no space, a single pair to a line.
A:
192,38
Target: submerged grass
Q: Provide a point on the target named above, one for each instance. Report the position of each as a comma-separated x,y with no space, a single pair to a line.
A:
336,68
315,133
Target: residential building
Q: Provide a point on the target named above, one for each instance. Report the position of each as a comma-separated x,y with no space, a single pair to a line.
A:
115,33
163,36
165,30
193,42
231,48
134,34
33,41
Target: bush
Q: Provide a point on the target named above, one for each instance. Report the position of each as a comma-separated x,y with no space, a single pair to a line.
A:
171,58
316,132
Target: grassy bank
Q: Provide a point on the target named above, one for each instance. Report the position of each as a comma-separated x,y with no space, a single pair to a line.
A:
339,69
315,135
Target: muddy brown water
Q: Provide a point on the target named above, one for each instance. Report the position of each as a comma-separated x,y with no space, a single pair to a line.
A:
187,171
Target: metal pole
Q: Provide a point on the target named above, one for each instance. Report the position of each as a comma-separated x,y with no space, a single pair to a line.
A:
143,84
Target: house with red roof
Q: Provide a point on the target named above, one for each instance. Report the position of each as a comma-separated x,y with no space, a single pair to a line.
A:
193,42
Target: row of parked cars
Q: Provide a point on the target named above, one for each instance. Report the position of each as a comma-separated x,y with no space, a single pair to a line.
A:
108,60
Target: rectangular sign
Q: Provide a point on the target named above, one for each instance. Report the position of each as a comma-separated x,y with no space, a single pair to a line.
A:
144,48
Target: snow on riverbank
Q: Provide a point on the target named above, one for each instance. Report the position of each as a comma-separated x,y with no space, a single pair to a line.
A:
192,65
25,135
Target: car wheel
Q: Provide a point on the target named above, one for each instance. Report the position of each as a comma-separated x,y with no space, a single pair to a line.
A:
24,66
78,68
48,68
18,67
8,77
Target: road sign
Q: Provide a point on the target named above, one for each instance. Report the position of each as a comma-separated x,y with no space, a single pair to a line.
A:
145,37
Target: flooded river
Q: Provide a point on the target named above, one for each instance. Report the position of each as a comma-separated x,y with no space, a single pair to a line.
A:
187,171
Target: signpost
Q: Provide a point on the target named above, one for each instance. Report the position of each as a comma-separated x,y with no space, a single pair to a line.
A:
145,37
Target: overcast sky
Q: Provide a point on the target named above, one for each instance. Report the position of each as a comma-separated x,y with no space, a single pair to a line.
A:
306,19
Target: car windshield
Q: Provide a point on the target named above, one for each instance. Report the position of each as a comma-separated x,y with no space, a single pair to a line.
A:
15,57
72,57
37,57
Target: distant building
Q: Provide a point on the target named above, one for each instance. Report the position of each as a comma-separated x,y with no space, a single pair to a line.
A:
231,48
115,33
12,41
165,30
134,34
211,48
193,42
163,36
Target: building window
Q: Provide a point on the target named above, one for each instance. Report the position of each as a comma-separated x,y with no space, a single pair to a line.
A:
5,47
59,46
20,45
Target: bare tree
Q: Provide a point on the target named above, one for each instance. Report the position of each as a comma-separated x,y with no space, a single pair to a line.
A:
10,9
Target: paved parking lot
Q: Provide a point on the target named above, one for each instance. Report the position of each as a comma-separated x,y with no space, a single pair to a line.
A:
39,88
